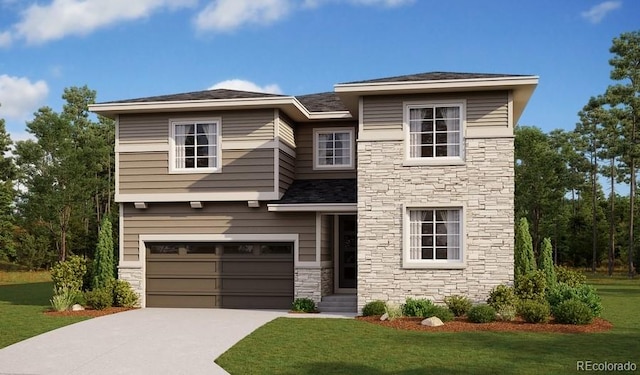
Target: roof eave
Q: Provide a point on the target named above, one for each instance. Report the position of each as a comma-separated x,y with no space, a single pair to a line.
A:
522,86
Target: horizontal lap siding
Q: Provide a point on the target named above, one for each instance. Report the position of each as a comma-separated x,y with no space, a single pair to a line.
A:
304,152
327,243
215,218
287,171
236,125
484,109
286,131
242,170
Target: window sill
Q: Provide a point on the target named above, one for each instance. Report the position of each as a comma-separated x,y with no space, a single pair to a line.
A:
432,162
434,265
334,168
195,171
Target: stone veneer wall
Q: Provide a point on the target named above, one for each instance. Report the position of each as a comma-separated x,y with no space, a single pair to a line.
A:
134,276
307,284
484,186
327,281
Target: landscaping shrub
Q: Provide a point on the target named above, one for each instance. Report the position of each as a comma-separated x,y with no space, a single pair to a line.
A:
502,295
393,311
374,308
546,263
103,270
531,286
100,298
524,260
442,312
123,294
63,299
459,305
534,311
482,313
416,307
573,311
506,313
583,292
69,274
303,305
569,276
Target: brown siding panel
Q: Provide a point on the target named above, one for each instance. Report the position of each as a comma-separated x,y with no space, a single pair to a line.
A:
242,170
287,171
304,152
326,246
286,131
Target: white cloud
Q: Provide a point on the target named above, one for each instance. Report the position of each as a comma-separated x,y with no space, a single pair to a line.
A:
43,23
227,15
19,97
598,12
5,39
243,85
385,3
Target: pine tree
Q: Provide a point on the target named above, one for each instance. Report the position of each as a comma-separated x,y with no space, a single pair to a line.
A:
546,262
524,260
103,262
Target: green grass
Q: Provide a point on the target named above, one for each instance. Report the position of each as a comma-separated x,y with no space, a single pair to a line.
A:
24,296
321,346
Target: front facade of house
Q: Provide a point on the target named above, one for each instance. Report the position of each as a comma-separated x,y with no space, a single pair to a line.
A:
382,189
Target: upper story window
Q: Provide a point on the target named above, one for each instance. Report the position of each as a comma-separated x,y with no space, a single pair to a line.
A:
433,131
333,148
195,146
433,237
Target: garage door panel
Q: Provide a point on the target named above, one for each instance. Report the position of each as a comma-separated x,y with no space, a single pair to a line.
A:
176,300
183,284
178,267
250,280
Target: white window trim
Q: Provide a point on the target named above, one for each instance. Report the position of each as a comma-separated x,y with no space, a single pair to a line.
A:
172,145
447,160
351,165
409,263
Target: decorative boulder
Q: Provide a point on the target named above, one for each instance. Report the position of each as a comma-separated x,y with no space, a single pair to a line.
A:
77,307
384,317
434,321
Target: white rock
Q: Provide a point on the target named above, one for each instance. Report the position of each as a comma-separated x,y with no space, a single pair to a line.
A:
434,321
77,307
384,316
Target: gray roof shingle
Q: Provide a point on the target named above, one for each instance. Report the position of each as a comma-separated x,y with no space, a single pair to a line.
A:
200,95
435,76
322,102
320,191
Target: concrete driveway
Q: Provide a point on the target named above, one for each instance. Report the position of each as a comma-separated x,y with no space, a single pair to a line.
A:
145,341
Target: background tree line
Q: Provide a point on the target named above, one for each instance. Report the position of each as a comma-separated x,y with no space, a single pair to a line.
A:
56,188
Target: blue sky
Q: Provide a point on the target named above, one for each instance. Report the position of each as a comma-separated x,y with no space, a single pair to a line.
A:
135,48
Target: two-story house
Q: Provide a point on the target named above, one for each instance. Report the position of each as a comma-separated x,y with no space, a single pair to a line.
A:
382,189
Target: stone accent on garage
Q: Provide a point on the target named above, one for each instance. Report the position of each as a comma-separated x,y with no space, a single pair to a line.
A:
483,186
134,275
307,283
327,281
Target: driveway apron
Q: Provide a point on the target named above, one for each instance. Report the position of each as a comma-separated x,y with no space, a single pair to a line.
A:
144,341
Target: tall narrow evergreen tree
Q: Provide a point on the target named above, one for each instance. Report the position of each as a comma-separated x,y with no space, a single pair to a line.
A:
546,262
103,261
524,260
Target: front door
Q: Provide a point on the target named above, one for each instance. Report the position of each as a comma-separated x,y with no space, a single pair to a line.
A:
347,253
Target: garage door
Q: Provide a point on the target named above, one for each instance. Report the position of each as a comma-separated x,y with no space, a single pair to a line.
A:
228,275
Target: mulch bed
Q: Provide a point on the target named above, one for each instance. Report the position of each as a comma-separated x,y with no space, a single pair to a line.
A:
463,325
89,312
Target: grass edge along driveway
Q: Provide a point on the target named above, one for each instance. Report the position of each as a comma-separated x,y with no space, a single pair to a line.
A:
328,346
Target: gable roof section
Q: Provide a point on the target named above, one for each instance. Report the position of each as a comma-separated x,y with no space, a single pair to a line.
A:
435,76
320,191
322,102
216,94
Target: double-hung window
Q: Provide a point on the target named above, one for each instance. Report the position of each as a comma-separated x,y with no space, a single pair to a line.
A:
195,146
333,148
433,237
433,131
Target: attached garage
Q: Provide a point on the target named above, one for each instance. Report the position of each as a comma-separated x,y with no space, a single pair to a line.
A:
237,275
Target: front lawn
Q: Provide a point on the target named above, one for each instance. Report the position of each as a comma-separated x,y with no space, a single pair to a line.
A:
328,346
23,298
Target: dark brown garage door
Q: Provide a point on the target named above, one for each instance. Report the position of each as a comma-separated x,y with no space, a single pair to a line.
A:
228,275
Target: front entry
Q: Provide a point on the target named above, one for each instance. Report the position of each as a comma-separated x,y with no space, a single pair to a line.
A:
346,251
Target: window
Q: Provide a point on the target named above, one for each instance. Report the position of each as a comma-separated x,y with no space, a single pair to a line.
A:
195,146
434,236
333,148
434,131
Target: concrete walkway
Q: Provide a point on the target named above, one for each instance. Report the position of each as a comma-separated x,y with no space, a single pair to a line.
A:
145,341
